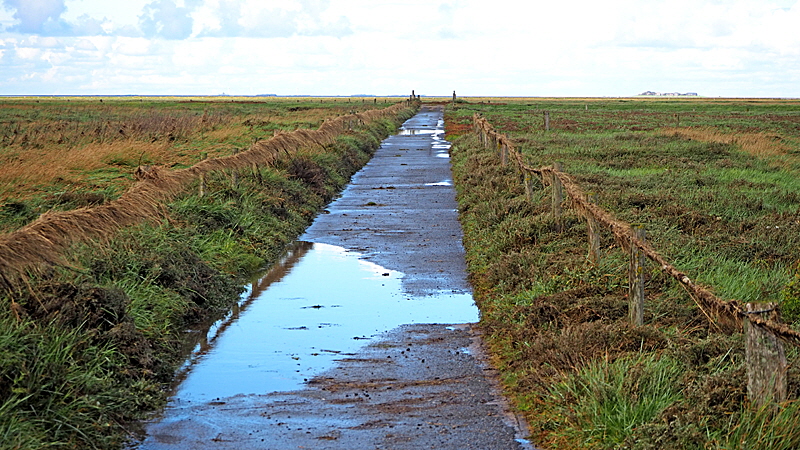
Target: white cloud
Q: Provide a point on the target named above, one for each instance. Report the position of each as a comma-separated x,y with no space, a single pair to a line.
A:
37,16
617,47
167,19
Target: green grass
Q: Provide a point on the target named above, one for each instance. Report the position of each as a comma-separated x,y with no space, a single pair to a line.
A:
764,429
725,217
81,144
605,402
87,348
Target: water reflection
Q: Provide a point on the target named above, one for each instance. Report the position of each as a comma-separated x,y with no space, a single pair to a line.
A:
205,335
321,303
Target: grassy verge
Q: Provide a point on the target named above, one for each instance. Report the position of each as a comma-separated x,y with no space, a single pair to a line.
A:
557,324
85,350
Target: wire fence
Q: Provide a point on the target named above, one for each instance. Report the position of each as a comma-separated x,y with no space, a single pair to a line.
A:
765,355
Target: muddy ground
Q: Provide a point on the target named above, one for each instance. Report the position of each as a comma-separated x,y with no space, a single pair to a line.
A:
418,386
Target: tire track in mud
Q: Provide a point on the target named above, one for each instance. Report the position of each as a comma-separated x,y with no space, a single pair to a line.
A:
418,386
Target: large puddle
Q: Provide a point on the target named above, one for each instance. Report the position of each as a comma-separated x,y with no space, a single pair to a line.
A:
319,304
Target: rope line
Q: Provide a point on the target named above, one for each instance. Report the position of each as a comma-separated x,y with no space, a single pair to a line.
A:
623,232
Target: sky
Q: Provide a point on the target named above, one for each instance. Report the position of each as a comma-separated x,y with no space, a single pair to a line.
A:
563,48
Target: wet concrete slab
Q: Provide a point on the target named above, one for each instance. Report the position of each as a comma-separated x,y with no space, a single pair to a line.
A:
423,385
394,394
400,211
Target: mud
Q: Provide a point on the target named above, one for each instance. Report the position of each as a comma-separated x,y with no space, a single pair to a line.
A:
417,386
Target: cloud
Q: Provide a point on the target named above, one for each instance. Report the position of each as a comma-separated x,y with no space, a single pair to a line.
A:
165,19
180,20
38,16
236,18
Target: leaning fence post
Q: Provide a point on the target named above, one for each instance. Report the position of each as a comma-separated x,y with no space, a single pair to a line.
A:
766,359
594,232
636,280
558,197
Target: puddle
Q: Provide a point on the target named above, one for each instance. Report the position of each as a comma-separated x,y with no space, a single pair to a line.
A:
441,183
319,305
417,131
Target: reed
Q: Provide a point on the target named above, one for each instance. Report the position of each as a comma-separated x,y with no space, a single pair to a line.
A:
757,144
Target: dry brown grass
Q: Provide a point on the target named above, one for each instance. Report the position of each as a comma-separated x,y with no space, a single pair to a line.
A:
37,154
21,171
41,243
758,144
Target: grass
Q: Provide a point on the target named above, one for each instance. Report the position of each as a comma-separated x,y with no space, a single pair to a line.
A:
52,146
605,402
720,207
89,347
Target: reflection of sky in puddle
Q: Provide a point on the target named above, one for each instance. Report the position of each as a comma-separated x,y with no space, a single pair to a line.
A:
417,131
302,322
441,183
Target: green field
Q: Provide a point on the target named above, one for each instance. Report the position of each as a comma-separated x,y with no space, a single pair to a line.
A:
89,343
715,185
64,152
90,340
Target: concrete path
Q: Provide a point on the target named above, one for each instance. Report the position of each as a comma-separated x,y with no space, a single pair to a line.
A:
400,210
419,386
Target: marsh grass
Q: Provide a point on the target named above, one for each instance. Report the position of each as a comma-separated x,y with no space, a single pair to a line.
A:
90,346
723,214
764,428
49,146
605,402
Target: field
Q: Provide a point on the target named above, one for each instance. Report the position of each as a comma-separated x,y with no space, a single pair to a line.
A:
714,183
61,153
89,342
91,328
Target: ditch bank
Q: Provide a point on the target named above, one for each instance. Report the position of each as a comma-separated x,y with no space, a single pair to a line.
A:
420,385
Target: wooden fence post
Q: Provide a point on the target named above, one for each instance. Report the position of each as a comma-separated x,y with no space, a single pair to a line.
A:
547,120
636,280
594,233
257,174
766,359
503,154
558,197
